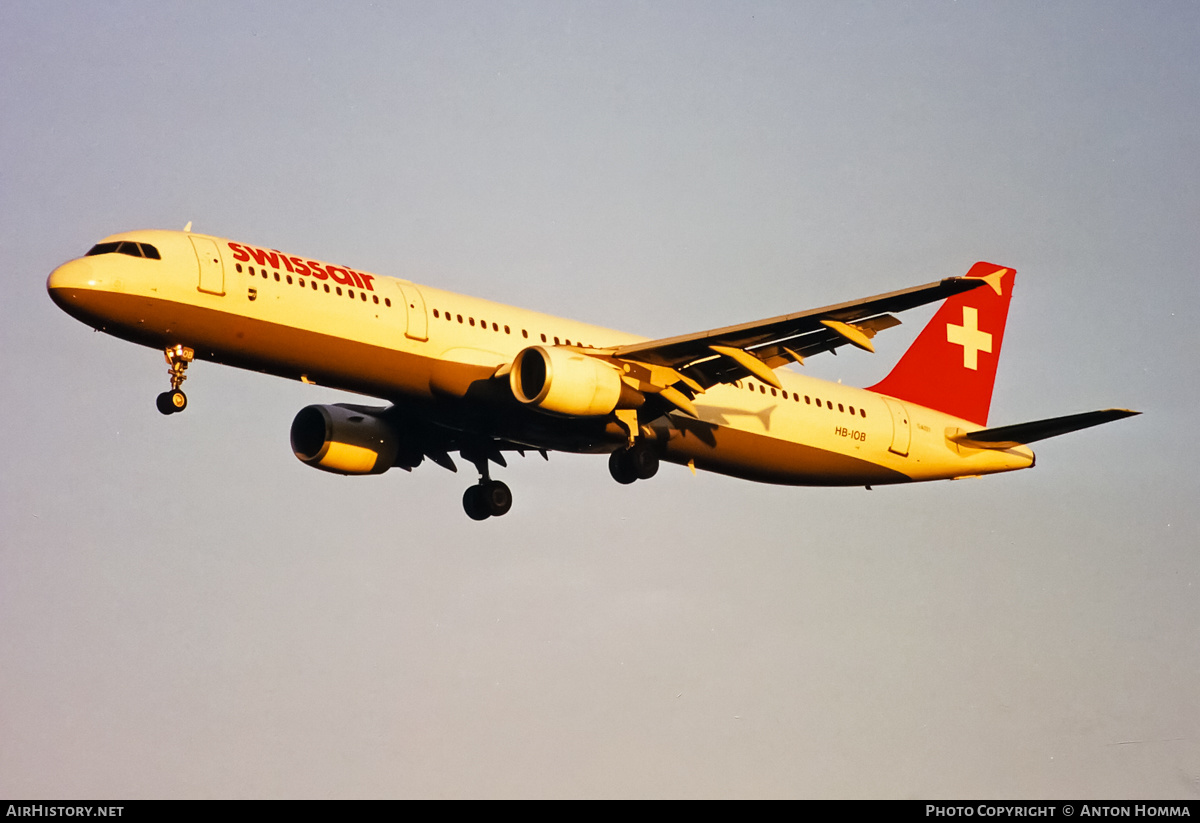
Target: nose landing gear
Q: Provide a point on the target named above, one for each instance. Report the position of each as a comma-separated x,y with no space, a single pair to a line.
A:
178,357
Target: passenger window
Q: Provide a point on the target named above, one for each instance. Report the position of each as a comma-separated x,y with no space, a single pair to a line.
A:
387,301
840,408
239,268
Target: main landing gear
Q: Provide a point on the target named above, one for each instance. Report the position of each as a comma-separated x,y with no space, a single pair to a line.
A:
488,497
175,400
636,462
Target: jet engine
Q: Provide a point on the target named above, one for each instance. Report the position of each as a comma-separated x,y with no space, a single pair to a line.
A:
349,440
560,381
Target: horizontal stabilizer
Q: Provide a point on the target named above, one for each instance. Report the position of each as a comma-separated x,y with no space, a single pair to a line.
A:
1005,437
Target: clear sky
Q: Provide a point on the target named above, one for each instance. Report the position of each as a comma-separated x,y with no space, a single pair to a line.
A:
188,611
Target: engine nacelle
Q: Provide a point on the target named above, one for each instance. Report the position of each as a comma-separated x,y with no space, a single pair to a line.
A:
344,440
564,382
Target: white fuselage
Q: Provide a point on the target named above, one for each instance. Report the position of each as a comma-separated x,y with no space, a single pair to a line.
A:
438,352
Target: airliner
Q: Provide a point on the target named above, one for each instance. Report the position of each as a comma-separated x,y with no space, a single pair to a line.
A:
467,375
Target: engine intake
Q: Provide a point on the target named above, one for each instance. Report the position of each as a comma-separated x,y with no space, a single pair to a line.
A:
560,381
344,440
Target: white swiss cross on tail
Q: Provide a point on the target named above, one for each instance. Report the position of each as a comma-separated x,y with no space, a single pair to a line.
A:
970,338
935,372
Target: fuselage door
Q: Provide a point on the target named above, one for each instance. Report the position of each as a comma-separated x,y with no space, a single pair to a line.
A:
212,272
901,428
414,304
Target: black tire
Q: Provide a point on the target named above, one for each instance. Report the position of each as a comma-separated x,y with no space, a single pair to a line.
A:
474,504
165,404
643,460
620,467
497,498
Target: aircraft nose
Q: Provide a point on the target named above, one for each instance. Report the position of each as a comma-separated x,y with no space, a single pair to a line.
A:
70,282
76,274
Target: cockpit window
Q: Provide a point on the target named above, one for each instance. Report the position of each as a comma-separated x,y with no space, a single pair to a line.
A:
125,247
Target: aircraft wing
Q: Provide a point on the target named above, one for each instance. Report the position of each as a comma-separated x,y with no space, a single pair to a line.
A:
724,355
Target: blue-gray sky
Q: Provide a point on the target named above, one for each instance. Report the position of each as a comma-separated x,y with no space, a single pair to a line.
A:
186,610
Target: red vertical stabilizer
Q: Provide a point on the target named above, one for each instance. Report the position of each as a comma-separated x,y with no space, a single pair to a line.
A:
951,366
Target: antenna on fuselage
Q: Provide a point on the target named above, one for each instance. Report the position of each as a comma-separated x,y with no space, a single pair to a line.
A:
188,227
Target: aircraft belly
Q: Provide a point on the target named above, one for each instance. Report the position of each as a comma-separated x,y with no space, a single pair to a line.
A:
769,459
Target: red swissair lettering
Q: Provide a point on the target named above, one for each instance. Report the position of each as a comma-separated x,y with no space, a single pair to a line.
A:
304,268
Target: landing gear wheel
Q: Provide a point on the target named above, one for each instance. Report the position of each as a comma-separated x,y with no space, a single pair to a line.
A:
643,460
170,402
638,462
490,498
620,469
474,504
497,498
